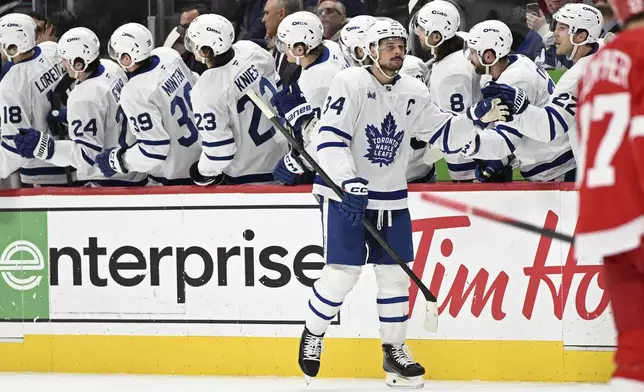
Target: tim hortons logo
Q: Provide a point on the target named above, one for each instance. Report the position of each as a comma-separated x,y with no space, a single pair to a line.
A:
485,290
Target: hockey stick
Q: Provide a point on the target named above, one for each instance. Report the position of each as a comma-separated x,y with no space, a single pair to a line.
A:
431,308
475,211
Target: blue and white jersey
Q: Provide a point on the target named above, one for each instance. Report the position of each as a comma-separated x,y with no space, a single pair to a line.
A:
538,161
156,102
454,87
237,140
26,95
365,131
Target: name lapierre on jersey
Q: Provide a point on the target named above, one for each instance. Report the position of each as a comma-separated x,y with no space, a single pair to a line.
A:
49,77
173,82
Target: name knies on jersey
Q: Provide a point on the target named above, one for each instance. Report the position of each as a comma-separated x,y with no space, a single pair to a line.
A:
173,82
130,266
248,77
50,77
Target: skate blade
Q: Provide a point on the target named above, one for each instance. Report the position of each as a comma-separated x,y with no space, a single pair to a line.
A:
398,382
307,380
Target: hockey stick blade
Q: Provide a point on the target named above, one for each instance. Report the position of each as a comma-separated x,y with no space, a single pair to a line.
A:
481,213
431,313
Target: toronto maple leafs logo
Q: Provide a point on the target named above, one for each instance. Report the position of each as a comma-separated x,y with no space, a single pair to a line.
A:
384,143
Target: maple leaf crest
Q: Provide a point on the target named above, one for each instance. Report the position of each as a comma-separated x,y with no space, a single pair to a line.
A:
384,142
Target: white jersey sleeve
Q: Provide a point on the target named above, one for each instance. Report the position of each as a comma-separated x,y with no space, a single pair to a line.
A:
153,140
14,114
558,116
237,140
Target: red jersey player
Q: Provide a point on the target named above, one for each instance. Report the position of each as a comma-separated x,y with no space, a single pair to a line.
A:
611,183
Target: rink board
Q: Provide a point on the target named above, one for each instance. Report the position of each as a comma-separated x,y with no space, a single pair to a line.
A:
216,281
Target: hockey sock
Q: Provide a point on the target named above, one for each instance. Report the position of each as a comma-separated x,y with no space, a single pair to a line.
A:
393,303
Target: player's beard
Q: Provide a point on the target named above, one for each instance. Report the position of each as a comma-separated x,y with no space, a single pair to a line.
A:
392,67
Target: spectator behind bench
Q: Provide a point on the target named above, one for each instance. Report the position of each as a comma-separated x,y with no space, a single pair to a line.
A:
274,13
175,38
333,15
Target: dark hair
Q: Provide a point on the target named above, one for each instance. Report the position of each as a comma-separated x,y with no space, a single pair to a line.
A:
450,46
37,15
93,66
634,18
201,8
63,21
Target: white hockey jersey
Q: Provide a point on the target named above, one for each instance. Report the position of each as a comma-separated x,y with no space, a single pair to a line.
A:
538,161
557,118
237,139
454,87
26,93
96,122
157,104
315,81
417,169
365,131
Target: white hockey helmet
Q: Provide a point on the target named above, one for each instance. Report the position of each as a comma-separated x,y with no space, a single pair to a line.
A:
17,30
353,36
439,16
581,17
381,30
211,31
79,43
299,28
131,39
492,35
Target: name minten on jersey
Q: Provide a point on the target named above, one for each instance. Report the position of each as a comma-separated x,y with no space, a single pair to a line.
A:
173,82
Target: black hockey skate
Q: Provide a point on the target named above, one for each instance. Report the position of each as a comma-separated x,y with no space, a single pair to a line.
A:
402,371
310,352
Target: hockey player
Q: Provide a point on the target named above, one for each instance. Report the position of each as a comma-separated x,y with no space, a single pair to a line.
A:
454,84
577,33
239,144
489,44
611,184
25,98
301,37
95,120
156,101
363,144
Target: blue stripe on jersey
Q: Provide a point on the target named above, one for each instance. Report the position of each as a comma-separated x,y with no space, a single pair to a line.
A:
331,144
335,130
563,158
393,195
324,300
88,145
8,147
436,135
165,142
553,113
43,171
249,178
400,319
319,314
219,143
510,130
8,137
174,181
446,128
87,159
225,158
458,167
153,156
395,300
507,140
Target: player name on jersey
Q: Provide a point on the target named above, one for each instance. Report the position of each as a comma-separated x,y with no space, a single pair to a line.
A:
247,78
173,82
51,76
116,90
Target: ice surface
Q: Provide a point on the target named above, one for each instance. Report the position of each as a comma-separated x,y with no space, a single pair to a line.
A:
125,383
